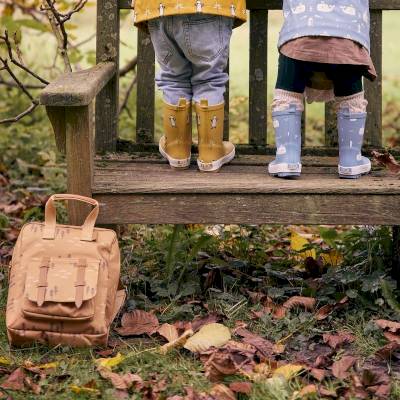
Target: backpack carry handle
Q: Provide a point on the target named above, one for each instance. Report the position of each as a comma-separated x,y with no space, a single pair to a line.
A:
50,216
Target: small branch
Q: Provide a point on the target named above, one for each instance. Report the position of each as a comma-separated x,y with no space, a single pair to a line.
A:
6,40
130,66
28,111
127,95
9,84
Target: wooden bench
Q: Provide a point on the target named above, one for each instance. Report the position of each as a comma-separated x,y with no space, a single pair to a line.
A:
135,186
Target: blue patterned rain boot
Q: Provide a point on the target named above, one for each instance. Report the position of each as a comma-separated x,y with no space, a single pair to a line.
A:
351,128
287,124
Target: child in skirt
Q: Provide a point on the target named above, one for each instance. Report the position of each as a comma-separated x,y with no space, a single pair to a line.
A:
191,41
328,39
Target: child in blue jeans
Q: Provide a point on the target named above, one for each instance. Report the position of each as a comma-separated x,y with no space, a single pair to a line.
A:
191,41
329,38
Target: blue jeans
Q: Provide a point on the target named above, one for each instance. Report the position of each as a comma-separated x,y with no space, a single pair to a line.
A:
192,51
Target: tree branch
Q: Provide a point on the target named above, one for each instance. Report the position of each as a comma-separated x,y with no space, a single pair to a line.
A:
28,111
130,66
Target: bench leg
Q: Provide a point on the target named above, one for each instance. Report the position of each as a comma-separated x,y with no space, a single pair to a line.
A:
396,255
79,157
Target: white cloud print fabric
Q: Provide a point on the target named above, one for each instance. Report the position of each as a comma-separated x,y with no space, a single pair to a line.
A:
349,19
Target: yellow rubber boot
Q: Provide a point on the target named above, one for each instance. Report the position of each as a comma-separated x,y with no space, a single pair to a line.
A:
213,151
175,145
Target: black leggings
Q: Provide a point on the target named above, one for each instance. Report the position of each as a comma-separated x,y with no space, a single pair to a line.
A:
295,75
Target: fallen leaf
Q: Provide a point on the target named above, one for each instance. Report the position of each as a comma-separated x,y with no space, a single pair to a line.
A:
110,362
307,302
298,243
264,346
386,352
212,335
168,332
392,337
222,392
341,367
326,310
386,160
138,322
241,387
334,258
327,392
5,361
392,326
179,342
85,389
51,365
198,323
318,374
288,371
15,380
339,339
121,382
307,392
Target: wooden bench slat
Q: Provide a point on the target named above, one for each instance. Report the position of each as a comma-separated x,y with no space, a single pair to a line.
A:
258,80
285,209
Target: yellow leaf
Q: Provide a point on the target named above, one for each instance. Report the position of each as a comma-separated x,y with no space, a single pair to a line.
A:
211,335
110,362
179,342
5,361
333,258
298,243
48,365
81,389
288,371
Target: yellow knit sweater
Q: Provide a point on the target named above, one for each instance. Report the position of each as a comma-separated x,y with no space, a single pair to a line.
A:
149,9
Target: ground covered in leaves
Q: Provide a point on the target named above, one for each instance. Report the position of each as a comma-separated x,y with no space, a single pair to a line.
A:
217,312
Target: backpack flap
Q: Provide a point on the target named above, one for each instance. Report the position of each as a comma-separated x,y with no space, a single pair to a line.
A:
61,288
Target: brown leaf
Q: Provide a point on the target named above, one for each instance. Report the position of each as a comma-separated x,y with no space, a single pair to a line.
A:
307,391
15,380
256,297
341,367
387,351
222,392
392,326
327,309
264,346
121,382
318,374
280,312
339,339
391,337
327,392
169,332
241,387
138,322
198,323
386,160
307,302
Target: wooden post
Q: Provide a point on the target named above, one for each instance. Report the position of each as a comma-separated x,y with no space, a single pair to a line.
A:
79,157
396,255
373,90
145,89
227,107
57,118
258,77
107,103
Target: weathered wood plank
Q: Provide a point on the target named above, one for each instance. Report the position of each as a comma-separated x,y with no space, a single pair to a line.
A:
79,157
107,104
57,118
77,88
258,77
277,4
373,90
227,107
127,146
159,178
249,209
145,89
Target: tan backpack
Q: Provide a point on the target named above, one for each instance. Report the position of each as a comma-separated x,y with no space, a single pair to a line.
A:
64,281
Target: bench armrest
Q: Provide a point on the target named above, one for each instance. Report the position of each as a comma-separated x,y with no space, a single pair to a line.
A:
78,88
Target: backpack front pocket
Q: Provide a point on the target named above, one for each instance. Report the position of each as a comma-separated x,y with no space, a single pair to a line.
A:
62,289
